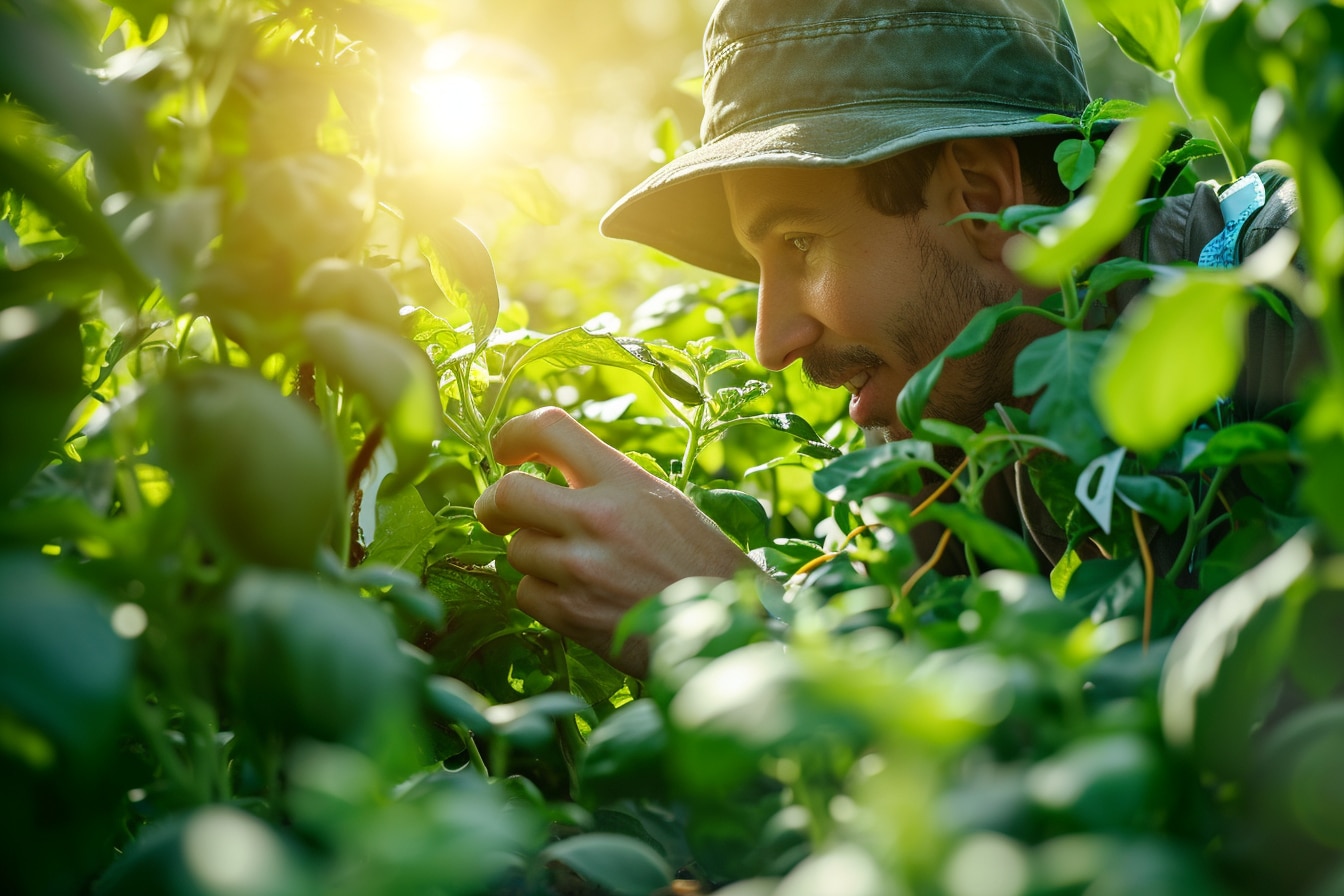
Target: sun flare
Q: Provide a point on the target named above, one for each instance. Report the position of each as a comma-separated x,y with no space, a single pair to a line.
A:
457,111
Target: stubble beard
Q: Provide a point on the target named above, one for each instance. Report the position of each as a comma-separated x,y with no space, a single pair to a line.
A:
917,340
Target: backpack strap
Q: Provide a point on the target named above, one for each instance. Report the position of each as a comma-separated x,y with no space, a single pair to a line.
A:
1237,201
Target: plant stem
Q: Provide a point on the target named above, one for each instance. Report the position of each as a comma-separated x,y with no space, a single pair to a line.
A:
473,752
1195,528
1068,288
696,431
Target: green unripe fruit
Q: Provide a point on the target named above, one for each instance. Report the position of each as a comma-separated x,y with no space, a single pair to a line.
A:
263,481
334,284
677,386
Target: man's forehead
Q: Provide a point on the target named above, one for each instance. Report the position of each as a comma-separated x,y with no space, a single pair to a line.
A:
761,200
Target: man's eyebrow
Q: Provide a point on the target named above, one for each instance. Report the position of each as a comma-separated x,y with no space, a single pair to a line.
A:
772,216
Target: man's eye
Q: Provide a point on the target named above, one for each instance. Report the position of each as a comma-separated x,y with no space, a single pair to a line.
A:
801,243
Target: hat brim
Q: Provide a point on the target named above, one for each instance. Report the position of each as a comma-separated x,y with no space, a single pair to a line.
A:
681,209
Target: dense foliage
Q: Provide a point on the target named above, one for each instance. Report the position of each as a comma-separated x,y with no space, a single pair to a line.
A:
253,640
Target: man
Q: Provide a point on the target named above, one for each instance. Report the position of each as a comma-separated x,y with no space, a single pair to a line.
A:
840,139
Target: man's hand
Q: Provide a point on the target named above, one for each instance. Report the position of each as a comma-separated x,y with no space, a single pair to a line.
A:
591,551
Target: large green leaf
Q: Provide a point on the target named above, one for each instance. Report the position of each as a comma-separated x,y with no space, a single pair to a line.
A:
890,467
577,347
456,257
738,514
999,546
1155,497
1239,443
619,864
41,363
310,659
1149,31
792,425
1220,674
1176,351
625,752
1061,365
63,669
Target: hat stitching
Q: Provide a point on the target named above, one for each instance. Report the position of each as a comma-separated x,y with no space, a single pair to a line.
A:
968,98
861,26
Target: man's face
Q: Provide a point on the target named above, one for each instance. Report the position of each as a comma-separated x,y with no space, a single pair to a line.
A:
864,299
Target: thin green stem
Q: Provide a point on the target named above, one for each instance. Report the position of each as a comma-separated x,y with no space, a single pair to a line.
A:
571,741
173,768
696,432
1068,288
473,752
1235,161
1194,530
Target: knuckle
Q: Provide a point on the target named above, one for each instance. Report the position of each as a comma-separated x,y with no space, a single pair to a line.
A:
549,416
508,490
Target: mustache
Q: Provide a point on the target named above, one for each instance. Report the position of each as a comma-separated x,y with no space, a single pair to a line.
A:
832,367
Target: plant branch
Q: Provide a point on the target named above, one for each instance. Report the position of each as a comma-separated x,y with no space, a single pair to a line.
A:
1195,528
1147,577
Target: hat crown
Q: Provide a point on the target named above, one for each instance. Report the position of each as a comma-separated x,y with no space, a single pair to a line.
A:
773,60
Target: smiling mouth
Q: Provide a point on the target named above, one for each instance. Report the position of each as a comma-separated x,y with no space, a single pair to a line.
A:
854,385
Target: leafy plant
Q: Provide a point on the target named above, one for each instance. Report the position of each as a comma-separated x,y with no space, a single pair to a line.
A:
252,637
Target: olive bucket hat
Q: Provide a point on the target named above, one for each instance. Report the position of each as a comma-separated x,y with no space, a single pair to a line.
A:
836,83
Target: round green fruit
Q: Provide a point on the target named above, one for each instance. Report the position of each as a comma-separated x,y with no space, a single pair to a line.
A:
262,479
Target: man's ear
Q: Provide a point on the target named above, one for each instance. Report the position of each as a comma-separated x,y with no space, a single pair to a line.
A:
982,175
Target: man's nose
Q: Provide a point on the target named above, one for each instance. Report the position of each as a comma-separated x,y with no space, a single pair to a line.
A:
784,326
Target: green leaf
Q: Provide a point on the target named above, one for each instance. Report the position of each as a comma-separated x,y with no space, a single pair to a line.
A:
457,701
1192,150
914,395
1076,160
41,381
999,546
738,514
1176,351
1062,364
791,425
1106,211
1106,589
1220,673
577,347
456,255
623,865
166,235
36,181
1238,443
1109,274
1148,31
1324,483
1155,497
530,722
625,752
1104,782
63,669
315,660
403,533
890,467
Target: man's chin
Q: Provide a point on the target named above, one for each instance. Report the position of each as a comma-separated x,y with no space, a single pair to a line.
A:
882,433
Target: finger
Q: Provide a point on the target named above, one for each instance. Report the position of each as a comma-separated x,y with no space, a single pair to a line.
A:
553,437
556,609
520,501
